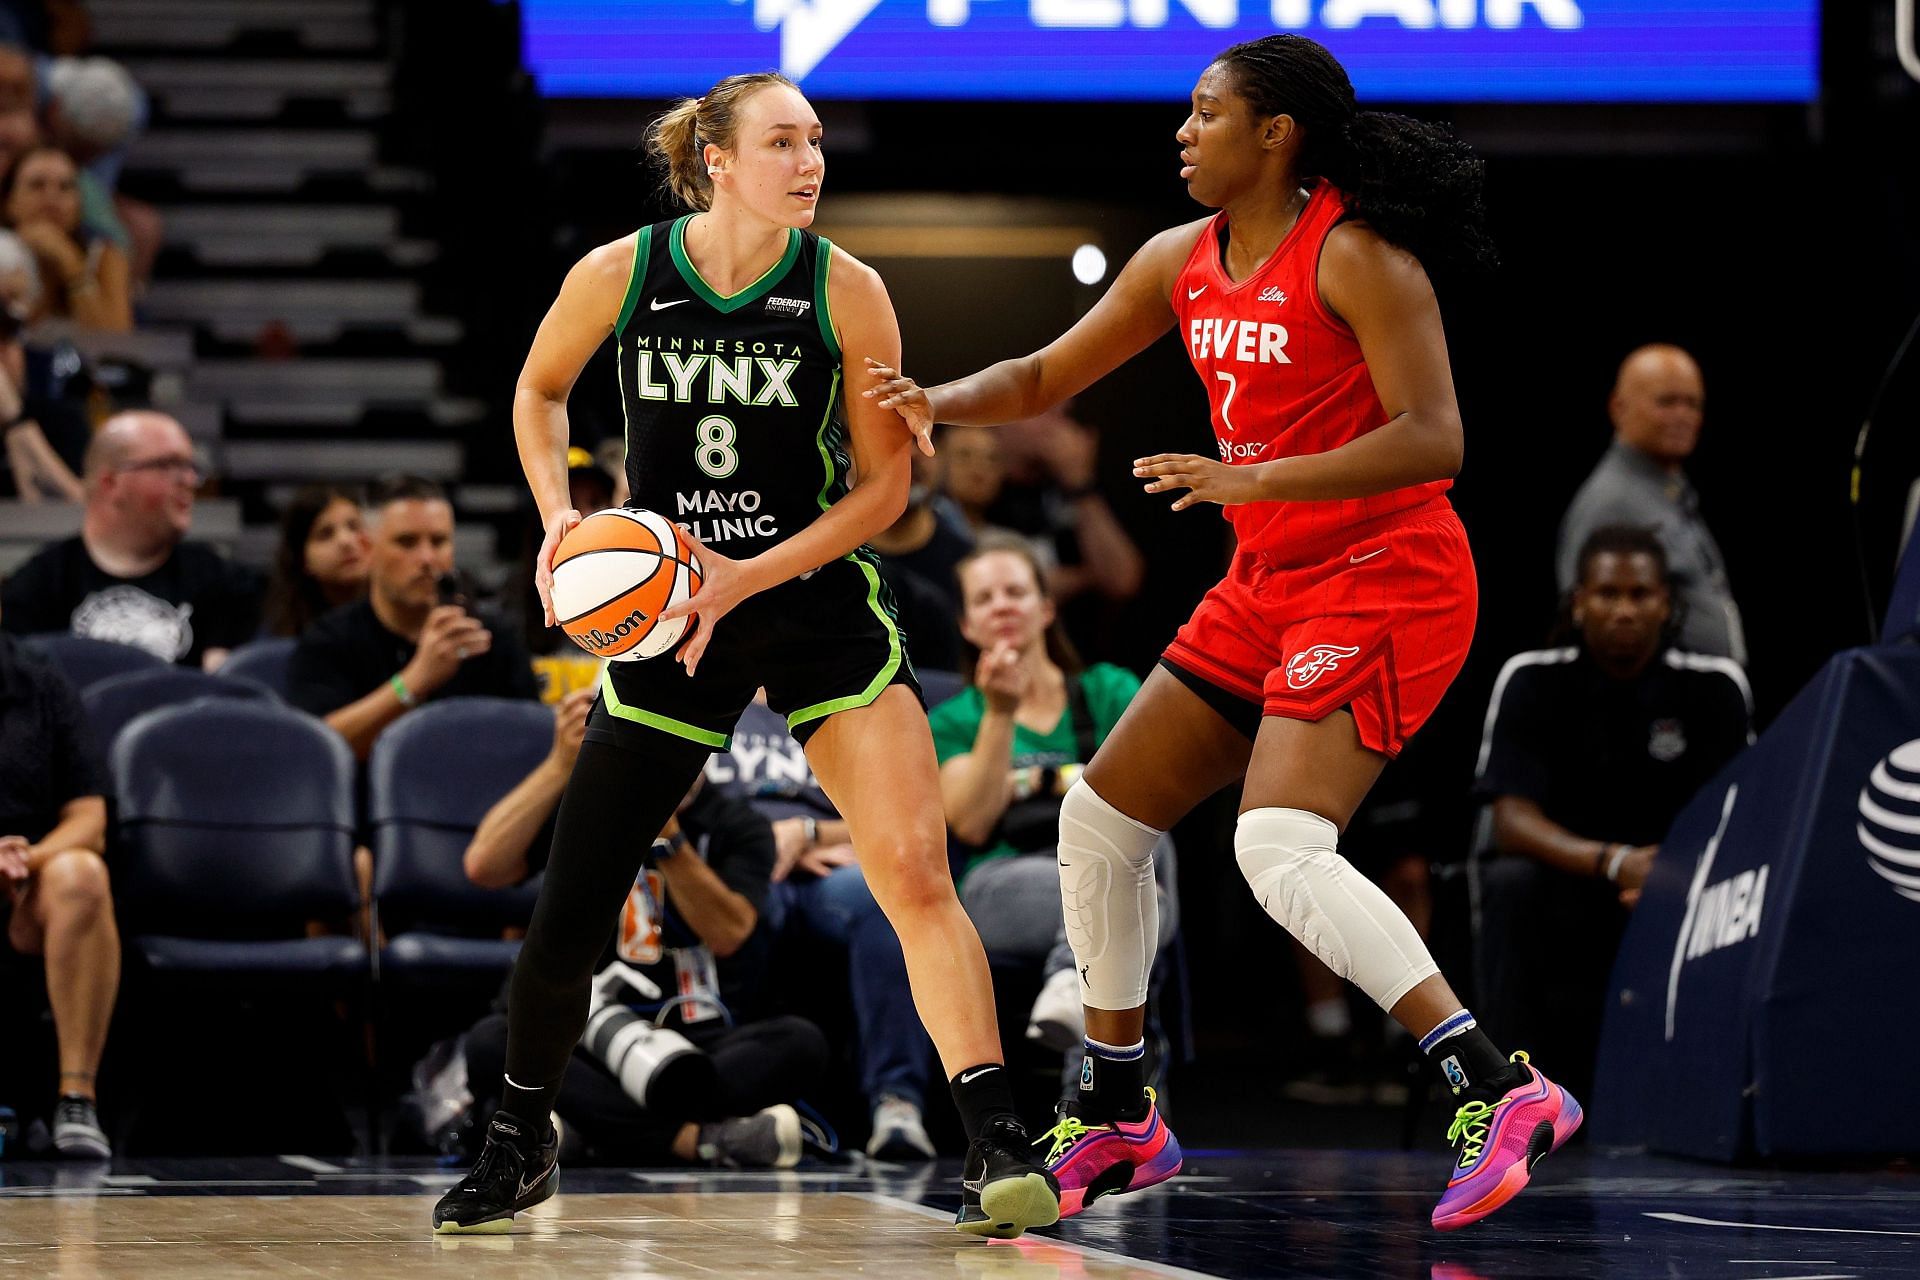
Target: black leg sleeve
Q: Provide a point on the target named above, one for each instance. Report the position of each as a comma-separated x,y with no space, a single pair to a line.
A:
615,803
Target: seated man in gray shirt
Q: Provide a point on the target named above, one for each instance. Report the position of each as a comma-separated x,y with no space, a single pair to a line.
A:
1656,410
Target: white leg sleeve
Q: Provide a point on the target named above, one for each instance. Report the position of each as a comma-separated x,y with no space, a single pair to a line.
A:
1288,857
1107,894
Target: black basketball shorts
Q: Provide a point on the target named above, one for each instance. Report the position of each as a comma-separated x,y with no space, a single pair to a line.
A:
825,643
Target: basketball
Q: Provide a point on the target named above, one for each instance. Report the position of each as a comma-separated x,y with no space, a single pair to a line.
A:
614,574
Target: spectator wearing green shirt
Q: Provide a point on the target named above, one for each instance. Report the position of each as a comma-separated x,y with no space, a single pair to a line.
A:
1010,745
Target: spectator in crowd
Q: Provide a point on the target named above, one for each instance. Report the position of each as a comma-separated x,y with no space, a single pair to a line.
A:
84,277
693,925
413,638
1656,409
918,553
1048,493
1588,754
321,561
46,439
130,575
19,87
55,900
1010,745
19,133
819,891
93,112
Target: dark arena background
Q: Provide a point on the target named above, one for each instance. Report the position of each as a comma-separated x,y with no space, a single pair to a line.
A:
250,1009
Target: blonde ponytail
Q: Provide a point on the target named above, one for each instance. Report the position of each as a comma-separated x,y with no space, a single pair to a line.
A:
677,140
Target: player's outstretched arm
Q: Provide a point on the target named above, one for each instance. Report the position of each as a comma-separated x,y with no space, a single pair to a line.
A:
1136,310
575,325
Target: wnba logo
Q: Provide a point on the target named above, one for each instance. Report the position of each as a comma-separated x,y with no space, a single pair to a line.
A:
1310,664
1889,826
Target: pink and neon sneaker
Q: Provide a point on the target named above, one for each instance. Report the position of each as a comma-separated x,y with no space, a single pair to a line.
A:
1122,1155
1499,1144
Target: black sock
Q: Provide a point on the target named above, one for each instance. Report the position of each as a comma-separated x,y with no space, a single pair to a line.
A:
983,1094
1468,1061
527,1110
1113,1082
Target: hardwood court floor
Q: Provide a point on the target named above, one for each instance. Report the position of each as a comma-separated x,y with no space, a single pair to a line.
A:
1242,1215
596,1235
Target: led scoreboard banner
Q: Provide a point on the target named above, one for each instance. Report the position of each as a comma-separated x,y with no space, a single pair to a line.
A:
1396,50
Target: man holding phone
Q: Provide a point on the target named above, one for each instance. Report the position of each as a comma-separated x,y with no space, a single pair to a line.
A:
414,638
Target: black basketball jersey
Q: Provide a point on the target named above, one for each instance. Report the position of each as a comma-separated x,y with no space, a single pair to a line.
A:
735,427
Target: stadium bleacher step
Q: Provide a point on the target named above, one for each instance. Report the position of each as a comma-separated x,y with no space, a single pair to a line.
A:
318,26
292,235
288,277
184,89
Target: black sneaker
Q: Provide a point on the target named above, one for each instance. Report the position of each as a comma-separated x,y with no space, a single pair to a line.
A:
1003,1193
505,1179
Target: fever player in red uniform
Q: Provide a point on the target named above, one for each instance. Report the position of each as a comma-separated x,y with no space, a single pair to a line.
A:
1307,312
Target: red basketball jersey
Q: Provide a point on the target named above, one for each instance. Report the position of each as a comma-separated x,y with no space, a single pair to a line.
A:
1285,377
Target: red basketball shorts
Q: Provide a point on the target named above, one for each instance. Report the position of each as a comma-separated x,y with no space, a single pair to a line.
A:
1380,626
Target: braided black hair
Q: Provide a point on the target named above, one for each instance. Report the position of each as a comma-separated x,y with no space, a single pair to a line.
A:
1415,183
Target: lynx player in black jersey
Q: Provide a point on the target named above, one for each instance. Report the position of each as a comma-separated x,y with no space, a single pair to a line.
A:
730,325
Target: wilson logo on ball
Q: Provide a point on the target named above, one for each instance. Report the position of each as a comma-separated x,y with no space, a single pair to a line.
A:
614,574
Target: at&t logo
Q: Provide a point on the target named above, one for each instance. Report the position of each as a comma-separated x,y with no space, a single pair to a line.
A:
1889,826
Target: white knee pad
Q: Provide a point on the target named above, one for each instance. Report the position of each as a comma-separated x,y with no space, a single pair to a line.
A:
1107,895
1288,857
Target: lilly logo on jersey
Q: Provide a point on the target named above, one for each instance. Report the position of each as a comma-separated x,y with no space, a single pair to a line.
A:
1245,341
1273,295
1310,664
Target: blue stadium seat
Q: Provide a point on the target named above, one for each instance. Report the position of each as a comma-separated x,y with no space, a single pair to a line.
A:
264,661
113,703
938,686
431,778
84,661
236,829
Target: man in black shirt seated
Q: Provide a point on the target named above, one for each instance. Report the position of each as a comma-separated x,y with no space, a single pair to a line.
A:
715,1086
1590,751
412,639
54,896
130,576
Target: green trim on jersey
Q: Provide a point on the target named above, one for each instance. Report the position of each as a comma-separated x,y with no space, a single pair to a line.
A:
820,441
881,680
642,250
677,244
822,311
666,724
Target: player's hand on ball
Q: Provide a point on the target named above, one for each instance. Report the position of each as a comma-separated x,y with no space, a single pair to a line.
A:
1204,479
557,528
904,396
724,583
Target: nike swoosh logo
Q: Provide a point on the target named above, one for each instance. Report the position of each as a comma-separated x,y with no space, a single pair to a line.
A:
657,305
968,1077
1370,555
1194,293
546,1173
